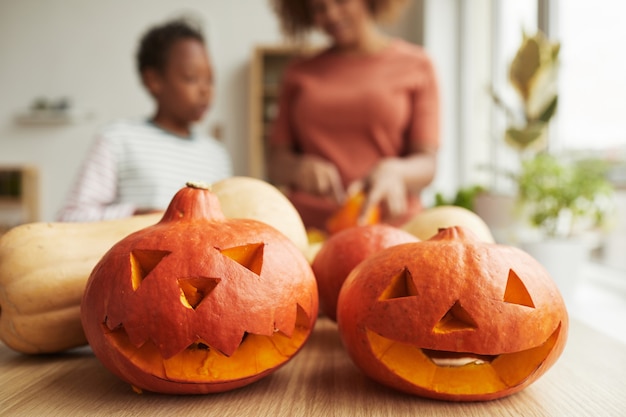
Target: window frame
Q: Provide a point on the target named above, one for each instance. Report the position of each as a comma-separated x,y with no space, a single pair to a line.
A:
471,147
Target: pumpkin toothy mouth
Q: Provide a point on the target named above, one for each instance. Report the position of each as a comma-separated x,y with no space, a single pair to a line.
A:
459,373
200,362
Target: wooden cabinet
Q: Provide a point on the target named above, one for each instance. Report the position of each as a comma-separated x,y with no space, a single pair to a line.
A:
266,70
19,195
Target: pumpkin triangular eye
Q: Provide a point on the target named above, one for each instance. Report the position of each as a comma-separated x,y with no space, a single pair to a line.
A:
193,290
455,319
250,256
516,292
142,262
401,286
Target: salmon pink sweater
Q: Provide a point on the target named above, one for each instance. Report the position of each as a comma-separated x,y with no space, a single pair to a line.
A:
355,111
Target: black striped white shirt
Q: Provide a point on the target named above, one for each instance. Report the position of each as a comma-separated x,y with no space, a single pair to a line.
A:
136,165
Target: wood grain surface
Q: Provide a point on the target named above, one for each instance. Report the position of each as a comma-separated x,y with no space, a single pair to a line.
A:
588,380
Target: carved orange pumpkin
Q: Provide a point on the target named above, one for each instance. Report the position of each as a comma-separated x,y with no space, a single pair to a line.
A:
199,303
345,250
452,318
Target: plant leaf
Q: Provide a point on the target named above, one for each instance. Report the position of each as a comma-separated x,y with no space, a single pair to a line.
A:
549,111
529,136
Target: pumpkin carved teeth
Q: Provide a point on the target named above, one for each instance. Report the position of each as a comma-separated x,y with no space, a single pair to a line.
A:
201,362
202,345
457,359
199,345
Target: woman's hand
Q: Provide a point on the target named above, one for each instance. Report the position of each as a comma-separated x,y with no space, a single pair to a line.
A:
390,182
320,177
386,186
308,173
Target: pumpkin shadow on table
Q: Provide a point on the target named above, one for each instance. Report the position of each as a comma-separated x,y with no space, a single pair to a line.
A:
80,377
335,372
325,375
86,375
67,378
89,383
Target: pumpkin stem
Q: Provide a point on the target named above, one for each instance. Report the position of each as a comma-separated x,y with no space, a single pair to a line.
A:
195,201
455,233
200,185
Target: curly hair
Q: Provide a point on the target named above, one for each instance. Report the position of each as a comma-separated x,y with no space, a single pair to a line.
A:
155,44
296,19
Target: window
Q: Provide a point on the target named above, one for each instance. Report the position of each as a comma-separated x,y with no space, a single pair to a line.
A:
509,20
592,75
473,44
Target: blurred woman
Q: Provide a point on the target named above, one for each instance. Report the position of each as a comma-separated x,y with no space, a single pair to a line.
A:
362,114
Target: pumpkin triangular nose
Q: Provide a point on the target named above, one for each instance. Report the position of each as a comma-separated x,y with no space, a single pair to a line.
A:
194,290
250,256
455,319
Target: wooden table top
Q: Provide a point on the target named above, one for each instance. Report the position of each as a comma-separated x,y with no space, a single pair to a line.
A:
588,380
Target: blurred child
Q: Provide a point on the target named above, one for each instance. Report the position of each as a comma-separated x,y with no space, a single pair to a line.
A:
136,167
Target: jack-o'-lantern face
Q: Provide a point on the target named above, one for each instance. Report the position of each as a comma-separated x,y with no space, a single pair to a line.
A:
199,303
452,318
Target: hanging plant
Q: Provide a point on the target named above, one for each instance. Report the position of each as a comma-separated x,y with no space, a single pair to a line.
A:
533,74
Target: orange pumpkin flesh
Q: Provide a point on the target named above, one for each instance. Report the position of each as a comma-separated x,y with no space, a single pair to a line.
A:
474,375
452,318
348,215
198,303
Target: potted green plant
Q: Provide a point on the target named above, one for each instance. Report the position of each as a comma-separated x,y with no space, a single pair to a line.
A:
563,198
464,197
562,201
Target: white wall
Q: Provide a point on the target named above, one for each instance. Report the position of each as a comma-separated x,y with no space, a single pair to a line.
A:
84,50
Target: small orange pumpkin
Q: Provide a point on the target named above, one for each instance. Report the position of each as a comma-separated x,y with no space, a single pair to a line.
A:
452,318
345,250
199,303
